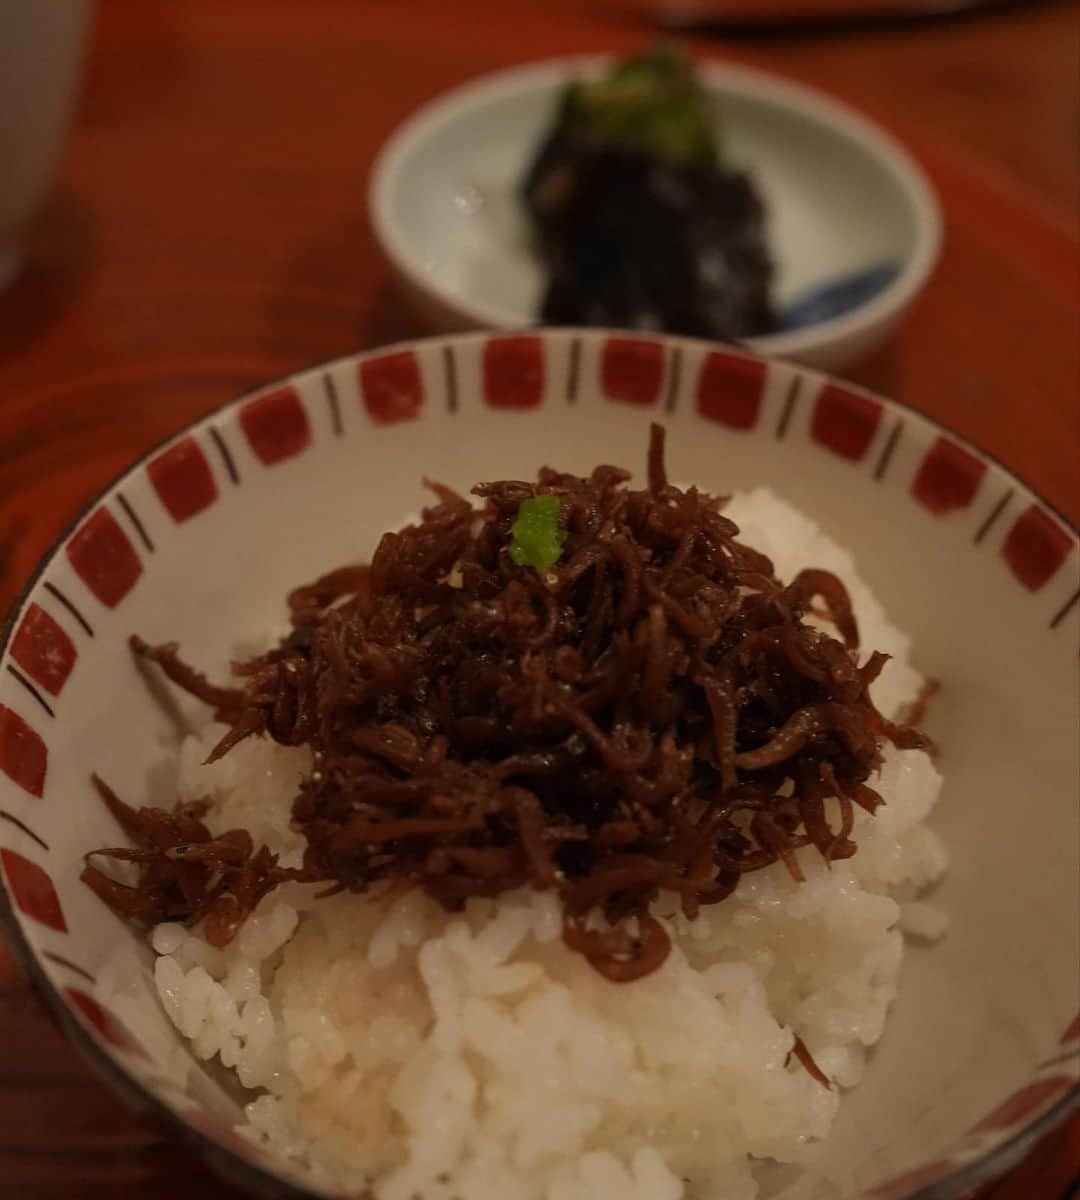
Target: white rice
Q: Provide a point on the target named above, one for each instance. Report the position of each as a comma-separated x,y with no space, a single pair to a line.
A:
474,1057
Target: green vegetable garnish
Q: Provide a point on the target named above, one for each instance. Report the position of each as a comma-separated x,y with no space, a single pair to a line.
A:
652,103
538,540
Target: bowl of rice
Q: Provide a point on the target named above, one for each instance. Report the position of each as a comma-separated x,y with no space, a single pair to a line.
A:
559,765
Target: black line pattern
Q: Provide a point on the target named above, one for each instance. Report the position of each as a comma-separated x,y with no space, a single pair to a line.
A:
226,454
14,820
790,400
573,372
330,388
61,961
53,590
889,450
1057,1059
136,524
1064,610
674,374
996,512
450,366
31,689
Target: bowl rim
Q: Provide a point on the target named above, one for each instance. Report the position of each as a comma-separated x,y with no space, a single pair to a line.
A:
818,106
247,1172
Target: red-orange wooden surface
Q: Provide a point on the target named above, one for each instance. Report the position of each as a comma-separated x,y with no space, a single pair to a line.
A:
209,232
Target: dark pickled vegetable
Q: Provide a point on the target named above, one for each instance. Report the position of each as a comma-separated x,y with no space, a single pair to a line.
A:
650,713
639,222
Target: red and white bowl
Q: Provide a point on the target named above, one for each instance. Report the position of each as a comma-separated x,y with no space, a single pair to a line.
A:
200,540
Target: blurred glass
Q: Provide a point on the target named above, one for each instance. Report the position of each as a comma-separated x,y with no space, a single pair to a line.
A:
41,45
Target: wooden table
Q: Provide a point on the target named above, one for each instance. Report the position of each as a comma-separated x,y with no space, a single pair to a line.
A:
209,232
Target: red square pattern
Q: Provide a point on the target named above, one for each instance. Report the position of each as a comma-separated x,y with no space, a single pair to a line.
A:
104,558
391,387
104,1020
948,478
182,478
1035,547
1022,1105
514,372
32,890
276,426
632,371
845,421
23,755
43,650
730,389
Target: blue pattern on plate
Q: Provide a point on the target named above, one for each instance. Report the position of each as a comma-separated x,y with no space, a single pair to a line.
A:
825,301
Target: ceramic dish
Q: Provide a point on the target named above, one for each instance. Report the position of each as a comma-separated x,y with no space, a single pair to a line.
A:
842,197
201,539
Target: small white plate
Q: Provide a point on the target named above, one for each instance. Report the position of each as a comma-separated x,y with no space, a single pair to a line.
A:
841,195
